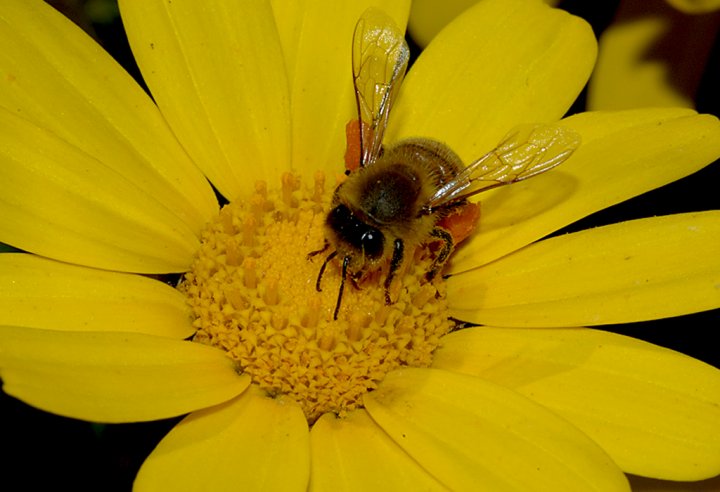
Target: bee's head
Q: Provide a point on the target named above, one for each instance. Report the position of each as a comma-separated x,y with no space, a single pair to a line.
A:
354,235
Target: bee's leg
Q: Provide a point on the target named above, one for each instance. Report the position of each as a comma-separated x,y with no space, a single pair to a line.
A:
346,261
355,279
397,258
444,252
326,244
322,268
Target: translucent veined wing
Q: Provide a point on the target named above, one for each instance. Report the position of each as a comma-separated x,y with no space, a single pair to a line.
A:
379,60
526,151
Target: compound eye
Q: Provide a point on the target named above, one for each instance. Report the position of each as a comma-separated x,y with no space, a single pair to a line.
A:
372,242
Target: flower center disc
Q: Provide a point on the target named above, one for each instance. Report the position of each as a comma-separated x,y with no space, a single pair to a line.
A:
252,290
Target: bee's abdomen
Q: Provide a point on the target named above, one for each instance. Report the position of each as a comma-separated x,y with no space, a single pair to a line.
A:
436,159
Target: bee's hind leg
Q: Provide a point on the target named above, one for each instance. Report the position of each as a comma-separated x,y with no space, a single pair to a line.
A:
446,238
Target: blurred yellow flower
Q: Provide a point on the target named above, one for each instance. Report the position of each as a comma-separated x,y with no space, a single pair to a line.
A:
695,6
653,55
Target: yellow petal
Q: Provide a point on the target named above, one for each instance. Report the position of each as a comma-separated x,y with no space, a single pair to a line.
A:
60,202
317,42
474,435
428,17
249,443
652,55
623,154
58,78
114,377
501,63
353,453
216,71
655,411
40,293
638,270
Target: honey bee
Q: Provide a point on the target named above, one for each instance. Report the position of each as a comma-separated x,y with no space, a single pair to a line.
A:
397,197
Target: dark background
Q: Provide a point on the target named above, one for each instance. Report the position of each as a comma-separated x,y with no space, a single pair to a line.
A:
43,450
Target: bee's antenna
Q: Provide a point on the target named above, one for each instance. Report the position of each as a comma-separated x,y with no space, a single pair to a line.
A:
346,260
322,268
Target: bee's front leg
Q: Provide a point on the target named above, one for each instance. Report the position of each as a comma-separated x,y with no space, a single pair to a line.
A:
395,262
326,245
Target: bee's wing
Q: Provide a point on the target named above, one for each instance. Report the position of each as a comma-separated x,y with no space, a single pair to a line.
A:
379,60
526,151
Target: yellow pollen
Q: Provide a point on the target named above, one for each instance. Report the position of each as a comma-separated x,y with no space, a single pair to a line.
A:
252,290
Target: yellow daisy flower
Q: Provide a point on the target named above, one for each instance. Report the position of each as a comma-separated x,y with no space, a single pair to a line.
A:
106,188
